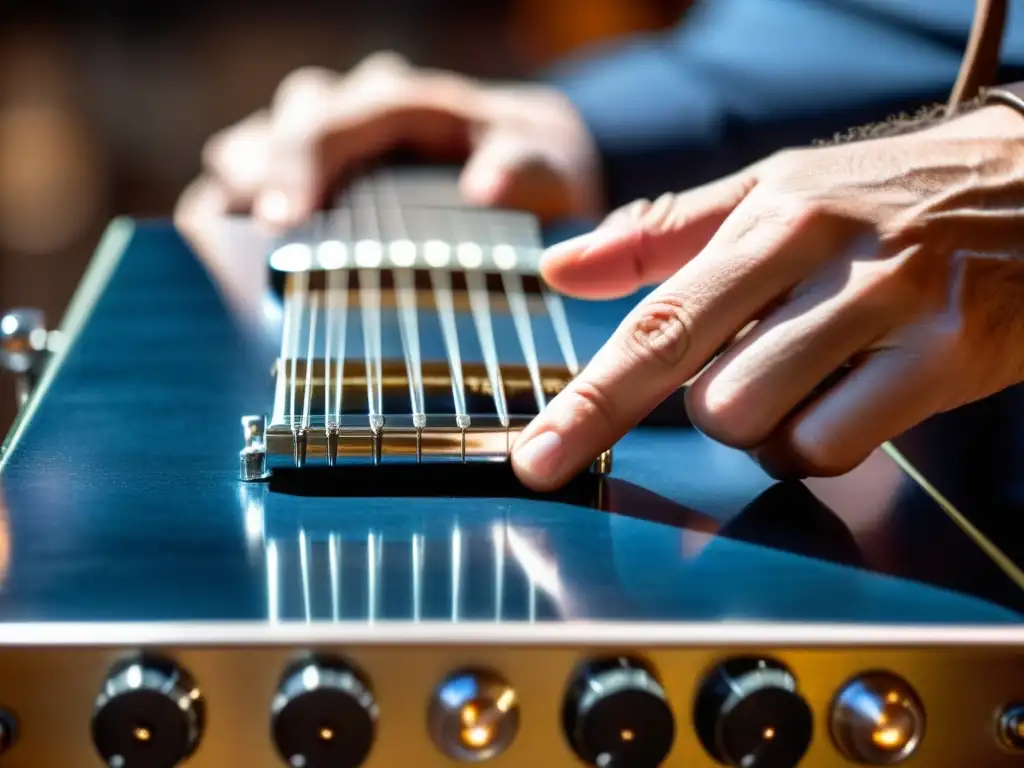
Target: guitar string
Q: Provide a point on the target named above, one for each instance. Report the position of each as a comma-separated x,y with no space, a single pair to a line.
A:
468,254
314,305
301,293
329,318
444,301
281,383
405,302
338,284
368,257
515,294
556,311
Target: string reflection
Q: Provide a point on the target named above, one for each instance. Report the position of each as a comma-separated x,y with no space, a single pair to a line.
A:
495,572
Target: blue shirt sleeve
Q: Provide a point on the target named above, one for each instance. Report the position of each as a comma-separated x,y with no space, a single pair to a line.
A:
739,79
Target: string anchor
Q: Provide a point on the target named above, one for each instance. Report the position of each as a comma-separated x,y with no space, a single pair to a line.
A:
253,457
602,464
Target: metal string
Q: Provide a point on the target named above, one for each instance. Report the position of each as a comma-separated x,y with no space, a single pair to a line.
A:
468,253
286,335
368,257
314,305
337,320
405,299
516,296
301,291
556,311
441,281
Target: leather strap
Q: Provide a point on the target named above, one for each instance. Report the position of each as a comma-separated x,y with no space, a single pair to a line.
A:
981,59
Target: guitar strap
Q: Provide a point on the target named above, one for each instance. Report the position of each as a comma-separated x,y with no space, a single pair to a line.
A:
981,59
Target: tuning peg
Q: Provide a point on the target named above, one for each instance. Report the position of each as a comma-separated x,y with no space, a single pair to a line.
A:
24,342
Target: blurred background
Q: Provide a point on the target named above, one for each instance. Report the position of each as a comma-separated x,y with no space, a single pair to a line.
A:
104,106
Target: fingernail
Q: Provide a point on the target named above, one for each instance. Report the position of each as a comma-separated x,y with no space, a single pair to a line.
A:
484,185
541,455
275,206
582,244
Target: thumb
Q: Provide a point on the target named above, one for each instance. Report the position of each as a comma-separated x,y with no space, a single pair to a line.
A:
643,242
509,170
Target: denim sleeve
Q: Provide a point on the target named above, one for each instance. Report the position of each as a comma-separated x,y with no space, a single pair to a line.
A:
740,79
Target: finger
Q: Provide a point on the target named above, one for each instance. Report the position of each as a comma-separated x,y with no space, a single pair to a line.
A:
671,334
748,391
204,202
505,169
321,134
294,176
891,391
238,159
643,243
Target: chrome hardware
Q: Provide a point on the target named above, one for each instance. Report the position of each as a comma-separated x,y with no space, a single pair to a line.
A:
253,457
24,342
602,464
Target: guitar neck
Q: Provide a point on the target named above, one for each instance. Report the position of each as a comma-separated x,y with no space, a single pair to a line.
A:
414,328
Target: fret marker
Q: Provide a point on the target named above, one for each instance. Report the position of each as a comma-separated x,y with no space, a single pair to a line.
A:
402,253
293,257
470,255
332,254
437,253
504,256
368,254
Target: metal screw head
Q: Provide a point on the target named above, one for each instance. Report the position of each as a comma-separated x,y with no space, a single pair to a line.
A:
22,339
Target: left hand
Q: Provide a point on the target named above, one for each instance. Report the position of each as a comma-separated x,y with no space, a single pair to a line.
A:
901,257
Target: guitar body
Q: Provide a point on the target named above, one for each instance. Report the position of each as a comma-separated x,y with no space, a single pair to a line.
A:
126,529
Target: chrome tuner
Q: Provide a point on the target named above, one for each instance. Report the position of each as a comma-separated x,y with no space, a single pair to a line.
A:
253,457
24,342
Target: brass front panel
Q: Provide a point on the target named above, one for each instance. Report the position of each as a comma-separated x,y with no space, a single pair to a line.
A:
52,692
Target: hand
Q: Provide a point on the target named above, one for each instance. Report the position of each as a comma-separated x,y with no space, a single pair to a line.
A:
895,257
525,144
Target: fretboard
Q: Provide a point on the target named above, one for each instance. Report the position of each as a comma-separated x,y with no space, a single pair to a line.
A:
414,329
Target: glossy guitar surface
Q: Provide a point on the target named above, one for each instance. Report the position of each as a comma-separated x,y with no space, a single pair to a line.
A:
126,528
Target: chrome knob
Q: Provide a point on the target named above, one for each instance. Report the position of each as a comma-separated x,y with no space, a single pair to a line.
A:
877,719
22,339
23,342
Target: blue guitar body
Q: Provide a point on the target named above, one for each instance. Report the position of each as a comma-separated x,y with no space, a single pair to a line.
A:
122,507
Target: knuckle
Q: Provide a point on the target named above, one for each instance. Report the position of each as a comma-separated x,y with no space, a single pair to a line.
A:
304,79
659,332
657,217
383,62
590,402
818,455
721,413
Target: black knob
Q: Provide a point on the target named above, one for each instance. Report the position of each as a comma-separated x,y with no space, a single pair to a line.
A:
149,714
616,715
749,714
8,731
323,716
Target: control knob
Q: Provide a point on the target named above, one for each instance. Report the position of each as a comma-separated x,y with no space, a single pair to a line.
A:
323,716
616,715
149,714
749,714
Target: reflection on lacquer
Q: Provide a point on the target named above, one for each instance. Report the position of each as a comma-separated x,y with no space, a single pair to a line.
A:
330,575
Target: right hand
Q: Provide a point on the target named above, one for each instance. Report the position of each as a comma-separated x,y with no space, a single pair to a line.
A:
525,146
